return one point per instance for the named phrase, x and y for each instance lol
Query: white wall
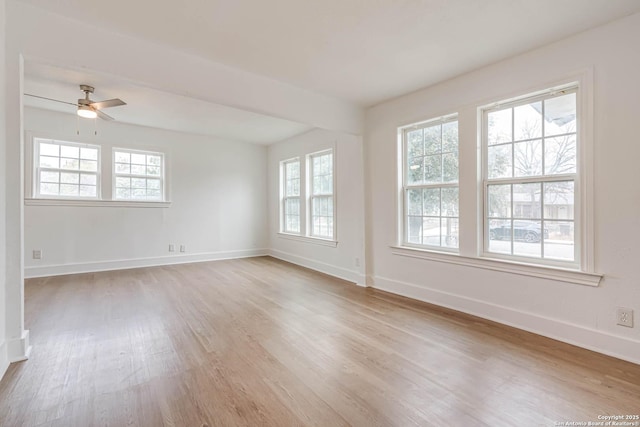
(574, 313)
(340, 260)
(4, 358)
(218, 208)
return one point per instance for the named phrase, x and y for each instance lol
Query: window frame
(36, 168)
(403, 229)
(311, 196)
(162, 177)
(284, 198)
(580, 262)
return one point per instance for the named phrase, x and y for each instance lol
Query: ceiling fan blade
(104, 116)
(51, 99)
(108, 103)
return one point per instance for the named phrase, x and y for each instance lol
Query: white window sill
(307, 239)
(96, 203)
(545, 272)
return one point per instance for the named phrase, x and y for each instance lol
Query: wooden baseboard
(92, 267)
(331, 270)
(612, 345)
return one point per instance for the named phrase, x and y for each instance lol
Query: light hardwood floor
(261, 342)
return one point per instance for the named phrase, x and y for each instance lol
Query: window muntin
(138, 175)
(430, 184)
(291, 196)
(321, 198)
(530, 178)
(66, 170)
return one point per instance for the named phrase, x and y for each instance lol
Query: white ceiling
(154, 108)
(363, 51)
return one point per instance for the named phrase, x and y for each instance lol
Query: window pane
(527, 238)
(415, 228)
(560, 115)
(49, 176)
(433, 169)
(450, 167)
(138, 193)
(450, 232)
(153, 170)
(72, 164)
(561, 242)
(526, 201)
(69, 178)
(499, 199)
(49, 162)
(49, 189)
(154, 160)
(138, 183)
(89, 165)
(72, 152)
(416, 171)
(528, 158)
(560, 155)
(153, 184)
(527, 121)
(450, 137)
(88, 191)
(432, 140)
(121, 157)
(154, 194)
(431, 231)
(499, 126)
(450, 202)
(138, 159)
(415, 145)
(499, 161)
(500, 236)
(123, 168)
(431, 202)
(138, 170)
(414, 202)
(123, 193)
(123, 182)
(88, 179)
(69, 190)
(49, 149)
(559, 200)
(89, 153)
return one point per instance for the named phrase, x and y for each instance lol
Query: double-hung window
(138, 175)
(321, 197)
(66, 170)
(530, 165)
(430, 184)
(290, 170)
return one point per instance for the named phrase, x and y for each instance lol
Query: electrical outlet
(183, 248)
(172, 248)
(625, 317)
(357, 262)
(37, 254)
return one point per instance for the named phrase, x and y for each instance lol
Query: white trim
(4, 359)
(91, 267)
(602, 342)
(533, 270)
(342, 273)
(96, 203)
(19, 349)
(309, 239)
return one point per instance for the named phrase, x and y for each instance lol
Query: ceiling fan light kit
(87, 112)
(87, 108)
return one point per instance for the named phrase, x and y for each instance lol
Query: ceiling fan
(86, 107)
